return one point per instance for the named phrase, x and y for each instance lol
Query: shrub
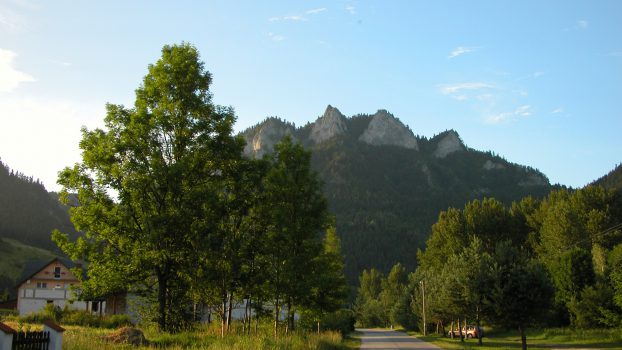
(341, 321)
(76, 318)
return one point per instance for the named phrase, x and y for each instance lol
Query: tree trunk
(452, 330)
(276, 317)
(161, 300)
(229, 312)
(479, 328)
(290, 317)
(460, 330)
(523, 337)
(223, 312)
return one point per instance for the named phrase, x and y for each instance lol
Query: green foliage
(521, 289)
(571, 274)
(75, 318)
(164, 161)
(294, 213)
(615, 266)
(594, 307)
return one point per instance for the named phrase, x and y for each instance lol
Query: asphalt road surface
(385, 339)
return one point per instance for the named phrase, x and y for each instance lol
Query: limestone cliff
(331, 124)
(385, 129)
(261, 139)
(449, 143)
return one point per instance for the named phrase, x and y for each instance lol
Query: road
(386, 339)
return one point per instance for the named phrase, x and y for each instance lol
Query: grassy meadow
(550, 338)
(201, 337)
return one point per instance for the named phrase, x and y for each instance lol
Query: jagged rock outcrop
(385, 129)
(448, 144)
(490, 165)
(533, 180)
(331, 124)
(261, 139)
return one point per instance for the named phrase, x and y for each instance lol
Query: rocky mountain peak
(331, 124)
(385, 129)
(449, 143)
(265, 136)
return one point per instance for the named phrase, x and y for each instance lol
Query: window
(57, 272)
(42, 285)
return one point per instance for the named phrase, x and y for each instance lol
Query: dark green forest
(386, 198)
(550, 262)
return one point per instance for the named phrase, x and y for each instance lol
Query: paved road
(384, 339)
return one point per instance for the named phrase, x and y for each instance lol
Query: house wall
(32, 296)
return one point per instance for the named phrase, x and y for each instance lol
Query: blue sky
(538, 82)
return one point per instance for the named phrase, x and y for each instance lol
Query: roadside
(390, 339)
(556, 338)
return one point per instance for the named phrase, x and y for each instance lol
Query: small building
(50, 282)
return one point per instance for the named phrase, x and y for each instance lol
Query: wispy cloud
(11, 77)
(61, 63)
(451, 89)
(10, 20)
(461, 50)
(295, 18)
(614, 54)
(557, 110)
(316, 11)
(582, 24)
(351, 9)
(276, 37)
(522, 111)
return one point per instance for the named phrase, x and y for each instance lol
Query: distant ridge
(386, 186)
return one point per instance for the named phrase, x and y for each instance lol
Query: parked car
(471, 331)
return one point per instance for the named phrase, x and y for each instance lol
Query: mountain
(386, 186)
(613, 180)
(28, 213)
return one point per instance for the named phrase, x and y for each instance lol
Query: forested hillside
(613, 180)
(387, 186)
(28, 213)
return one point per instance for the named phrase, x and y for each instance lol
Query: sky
(537, 82)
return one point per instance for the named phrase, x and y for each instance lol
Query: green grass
(552, 338)
(352, 341)
(15, 254)
(204, 337)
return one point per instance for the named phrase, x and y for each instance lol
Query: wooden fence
(31, 341)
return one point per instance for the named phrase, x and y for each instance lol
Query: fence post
(6, 337)
(56, 334)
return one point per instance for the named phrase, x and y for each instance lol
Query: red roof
(6, 329)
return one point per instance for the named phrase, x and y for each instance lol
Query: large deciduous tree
(294, 214)
(146, 180)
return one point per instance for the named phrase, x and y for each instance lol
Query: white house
(49, 282)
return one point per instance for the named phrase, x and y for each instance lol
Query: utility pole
(422, 283)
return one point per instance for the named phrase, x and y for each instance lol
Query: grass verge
(550, 338)
(202, 337)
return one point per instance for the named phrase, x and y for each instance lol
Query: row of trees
(555, 262)
(171, 210)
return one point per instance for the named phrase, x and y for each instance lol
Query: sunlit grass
(558, 338)
(203, 337)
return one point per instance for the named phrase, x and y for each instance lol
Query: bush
(76, 318)
(341, 321)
